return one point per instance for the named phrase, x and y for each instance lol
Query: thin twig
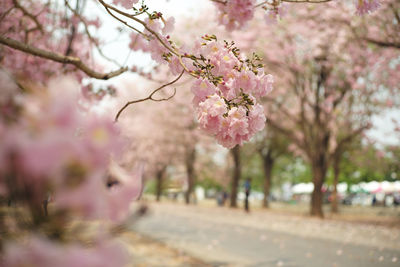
(31, 16)
(5, 13)
(295, 1)
(306, 1)
(89, 35)
(224, 2)
(150, 97)
(220, 2)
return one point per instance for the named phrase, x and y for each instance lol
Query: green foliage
(252, 168)
(291, 169)
(150, 187)
(210, 183)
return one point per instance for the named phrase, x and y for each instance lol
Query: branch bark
(382, 43)
(75, 61)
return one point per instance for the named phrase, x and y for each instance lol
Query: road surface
(225, 237)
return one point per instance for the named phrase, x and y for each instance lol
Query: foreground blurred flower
(56, 149)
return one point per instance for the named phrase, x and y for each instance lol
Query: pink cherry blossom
(235, 13)
(213, 105)
(275, 13)
(201, 89)
(168, 25)
(367, 6)
(125, 3)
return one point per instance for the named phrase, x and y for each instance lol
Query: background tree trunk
(191, 179)
(336, 171)
(236, 175)
(159, 183)
(268, 163)
(319, 173)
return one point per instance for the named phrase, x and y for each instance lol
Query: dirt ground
(146, 252)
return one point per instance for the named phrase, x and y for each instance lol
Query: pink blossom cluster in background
(235, 13)
(125, 3)
(44, 28)
(274, 14)
(366, 6)
(152, 45)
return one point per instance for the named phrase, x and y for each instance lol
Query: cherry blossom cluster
(227, 84)
(158, 46)
(125, 3)
(226, 92)
(367, 6)
(275, 12)
(44, 26)
(235, 14)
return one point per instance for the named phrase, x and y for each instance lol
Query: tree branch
(75, 61)
(133, 17)
(294, 1)
(382, 43)
(31, 16)
(150, 97)
(307, 1)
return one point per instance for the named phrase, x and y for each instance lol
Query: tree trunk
(336, 170)
(190, 159)
(236, 175)
(319, 173)
(159, 183)
(268, 163)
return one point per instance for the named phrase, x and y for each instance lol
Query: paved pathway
(225, 237)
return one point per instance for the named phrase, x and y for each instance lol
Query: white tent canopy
(303, 188)
(370, 187)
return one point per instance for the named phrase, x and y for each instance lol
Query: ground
(228, 237)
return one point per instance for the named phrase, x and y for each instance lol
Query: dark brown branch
(295, 1)
(382, 43)
(220, 1)
(306, 1)
(5, 13)
(150, 97)
(75, 61)
(31, 16)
